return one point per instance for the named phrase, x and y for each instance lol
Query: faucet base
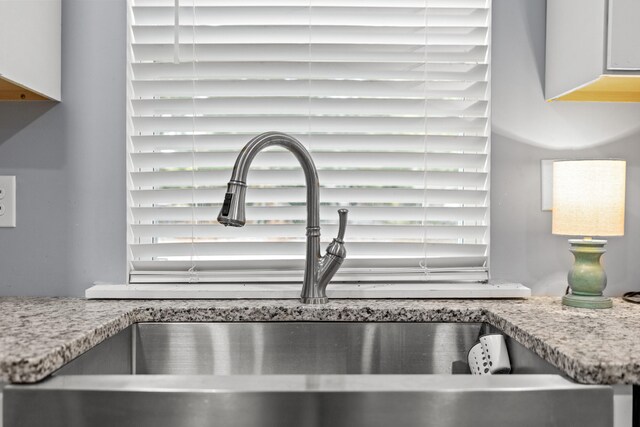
(314, 300)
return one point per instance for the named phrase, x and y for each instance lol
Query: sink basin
(302, 374)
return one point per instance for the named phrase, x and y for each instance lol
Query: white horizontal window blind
(390, 97)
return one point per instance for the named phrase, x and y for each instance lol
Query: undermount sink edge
(302, 373)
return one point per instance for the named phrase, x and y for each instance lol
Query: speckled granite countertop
(38, 335)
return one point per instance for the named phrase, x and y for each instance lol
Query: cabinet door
(30, 32)
(624, 35)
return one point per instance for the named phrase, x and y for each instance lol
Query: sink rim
(348, 383)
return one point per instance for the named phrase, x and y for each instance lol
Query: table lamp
(588, 200)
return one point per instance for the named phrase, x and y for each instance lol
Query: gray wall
(69, 159)
(70, 162)
(527, 129)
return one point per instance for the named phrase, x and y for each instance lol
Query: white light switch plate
(7, 201)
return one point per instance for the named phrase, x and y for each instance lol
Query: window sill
(495, 289)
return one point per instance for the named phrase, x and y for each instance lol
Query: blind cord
(425, 201)
(309, 29)
(176, 32)
(193, 277)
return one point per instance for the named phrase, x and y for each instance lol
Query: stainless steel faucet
(318, 269)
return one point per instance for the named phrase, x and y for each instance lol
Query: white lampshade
(588, 197)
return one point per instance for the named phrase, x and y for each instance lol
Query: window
(391, 99)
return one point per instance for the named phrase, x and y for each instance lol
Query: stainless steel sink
(302, 374)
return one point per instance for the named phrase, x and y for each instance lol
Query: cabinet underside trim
(607, 88)
(10, 91)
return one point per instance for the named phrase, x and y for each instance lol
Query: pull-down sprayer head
(232, 212)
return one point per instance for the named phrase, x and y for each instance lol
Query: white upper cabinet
(30, 33)
(593, 50)
(624, 35)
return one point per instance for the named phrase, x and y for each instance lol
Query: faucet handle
(336, 247)
(342, 213)
(336, 253)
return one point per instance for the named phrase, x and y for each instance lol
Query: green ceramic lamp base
(587, 278)
(586, 302)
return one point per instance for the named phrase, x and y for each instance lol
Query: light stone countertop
(39, 335)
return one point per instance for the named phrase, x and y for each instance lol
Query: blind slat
(329, 178)
(328, 141)
(323, 53)
(346, 196)
(250, 249)
(322, 107)
(155, 71)
(250, 89)
(321, 15)
(337, 159)
(256, 212)
(297, 264)
(334, 34)
(260, 233)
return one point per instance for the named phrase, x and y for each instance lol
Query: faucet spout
(317, 273)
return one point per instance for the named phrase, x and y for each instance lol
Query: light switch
(7, 201)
